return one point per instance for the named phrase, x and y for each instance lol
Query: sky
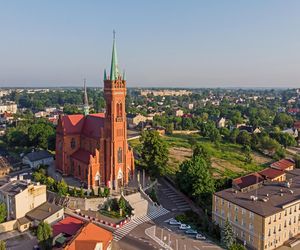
(160, 43)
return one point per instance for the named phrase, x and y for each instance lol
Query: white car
(184, 227)
(200, 237)
(174, 222)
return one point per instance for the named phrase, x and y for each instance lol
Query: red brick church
(93, 147)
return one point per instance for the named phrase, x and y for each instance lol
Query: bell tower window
(73, 143)
(120, 155)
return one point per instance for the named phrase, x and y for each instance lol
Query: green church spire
(114, 71)
(105, 76)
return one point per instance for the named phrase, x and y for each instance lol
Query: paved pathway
(153, 214)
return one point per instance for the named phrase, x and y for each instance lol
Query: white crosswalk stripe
(154, 213)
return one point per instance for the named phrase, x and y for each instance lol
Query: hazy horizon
(195, 44)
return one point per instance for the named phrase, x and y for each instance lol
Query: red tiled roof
(271, 173)
(297, 125)
(92, 125)
(69, 225)
(81, 155)
(283, 164)
(72, 124)
(88, 125)
(89, 236)
(247, 180)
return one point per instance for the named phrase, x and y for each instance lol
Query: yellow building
(20, 197)
(264, 216)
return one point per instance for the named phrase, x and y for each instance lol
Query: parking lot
(178, 239)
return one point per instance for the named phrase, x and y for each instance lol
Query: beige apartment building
(264, 210)
(20, 197)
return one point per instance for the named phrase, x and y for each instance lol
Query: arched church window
(120, 155)
(119, 109)
(73, 143)
(79, 170)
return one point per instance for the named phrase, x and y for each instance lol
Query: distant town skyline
(192, 44)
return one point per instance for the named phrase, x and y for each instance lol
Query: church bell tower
(115, 124)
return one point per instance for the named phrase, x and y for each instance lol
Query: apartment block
(263, 208)
(21, 197)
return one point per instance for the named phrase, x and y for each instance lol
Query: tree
(244, 138)
(286, 140)
(201, 151)
(227, 235)
(2, 245)
(195, 178)
(62, 188)
(44, 234)
(81, 192)
(233, 135)
(3, 212)
(122, 205)
(154, 153)
(237, 246)
(283, 120)
(214, 135)
(50, 182)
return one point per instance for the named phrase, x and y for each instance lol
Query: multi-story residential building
(21, 197)
(166, 92)
(263, 208)
(9, 107)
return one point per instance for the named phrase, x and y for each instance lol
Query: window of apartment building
(222, 212)
(279, 216)
(295, 209)
(251, 239)
(236, 219)
(285, 212)
(285, 223)
(270, 220)
(274, 230)
(223, 202)
(243, 223)
(274, 217)
(269, 234)
(251, 215)
(294, 219)
(229, 205)
(299, 217)
(236, 209)
(251, 227)
(290, 210)
(243, 211)
(243, 234)
(279, 228)
(290, 222)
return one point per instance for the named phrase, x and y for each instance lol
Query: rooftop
(43, 211)
(35, 156)
(69, 225)
(271, 196)
(283, 164)
(14, 187)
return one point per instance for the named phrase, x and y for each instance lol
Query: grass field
(228, 160)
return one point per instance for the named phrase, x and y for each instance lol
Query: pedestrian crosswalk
(154, 212)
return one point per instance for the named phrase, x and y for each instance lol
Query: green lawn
(228, 159)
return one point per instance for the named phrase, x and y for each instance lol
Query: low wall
(185, 132)
(8, 226)
(76, 202)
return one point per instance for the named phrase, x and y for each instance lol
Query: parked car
(200, 237)
(184, 227)
(191, 231)
(174, 222)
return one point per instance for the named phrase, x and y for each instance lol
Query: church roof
(81, 155)
(87, 125)
(92, 125)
